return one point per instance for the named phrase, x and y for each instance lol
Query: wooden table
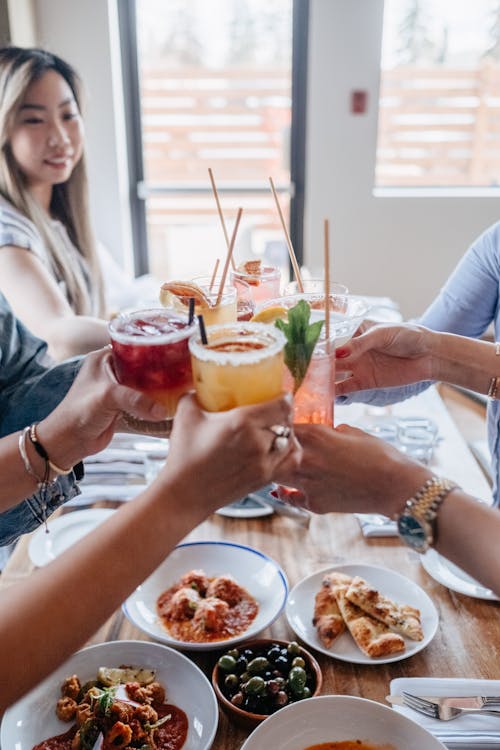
(467, 642)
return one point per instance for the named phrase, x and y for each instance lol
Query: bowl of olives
(261, 676)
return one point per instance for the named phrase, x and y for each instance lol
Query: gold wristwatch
(417, 522)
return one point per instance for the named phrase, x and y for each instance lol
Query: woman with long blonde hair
(49, 269)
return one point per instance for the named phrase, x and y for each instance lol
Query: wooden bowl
(245, 718)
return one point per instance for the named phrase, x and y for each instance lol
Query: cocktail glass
(214, 313)
(315, 286)
(151, 354)
(257, 281)
(241, 364)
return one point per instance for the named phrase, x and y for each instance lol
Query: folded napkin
(114, 467)
(91, 493)
(469, 731)
(110, 455)
(373, 524)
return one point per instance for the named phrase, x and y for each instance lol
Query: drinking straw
(219, 209)
(291, 251)
(212, 280)
(326, 250)
(203, 332)
(228, 257)
(191, 310)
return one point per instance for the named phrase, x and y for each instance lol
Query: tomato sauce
(237, 619)
(169, 736)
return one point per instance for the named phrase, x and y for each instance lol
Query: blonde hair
(19, 68)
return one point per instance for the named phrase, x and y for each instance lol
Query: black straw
(203, 332)
(191, 310)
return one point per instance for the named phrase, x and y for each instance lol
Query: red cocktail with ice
(150, 352)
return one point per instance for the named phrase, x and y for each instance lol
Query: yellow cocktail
(216, 309)
(241, 364)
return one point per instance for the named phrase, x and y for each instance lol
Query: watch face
(412, 532)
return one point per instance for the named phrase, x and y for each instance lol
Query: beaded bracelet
(43, 453)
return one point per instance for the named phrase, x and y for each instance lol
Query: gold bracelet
(494, 386)
(25, 458)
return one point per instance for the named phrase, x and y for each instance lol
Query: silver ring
(282, 433)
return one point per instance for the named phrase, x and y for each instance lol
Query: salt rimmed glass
(241, 364)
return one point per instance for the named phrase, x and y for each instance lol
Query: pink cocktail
(151, 354)
(255, 283)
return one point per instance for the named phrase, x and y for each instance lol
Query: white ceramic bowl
(33, 718)
(258, 574)
(333, 718)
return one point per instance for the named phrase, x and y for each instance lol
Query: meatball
(183, 604)
(196, 579)
(226, 588)
(211, 614)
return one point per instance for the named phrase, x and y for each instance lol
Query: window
(213, 89)
(439, 109)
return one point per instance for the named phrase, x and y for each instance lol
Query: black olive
(241, 665)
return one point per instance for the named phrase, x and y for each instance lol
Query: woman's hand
(346, 470)
(386, 355)
(84, 422)
(217, 457)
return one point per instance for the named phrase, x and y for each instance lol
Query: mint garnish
(301, 339)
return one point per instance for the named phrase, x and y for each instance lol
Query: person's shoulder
(16, 229)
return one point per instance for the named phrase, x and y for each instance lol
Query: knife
(454, 701)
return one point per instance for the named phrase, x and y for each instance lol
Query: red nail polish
(341, 352)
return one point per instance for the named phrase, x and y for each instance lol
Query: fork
(440, 709)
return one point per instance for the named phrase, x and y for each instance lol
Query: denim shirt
(466, 305)
(30, 388)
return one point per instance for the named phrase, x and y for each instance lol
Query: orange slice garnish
(183, 290)
(251, 267)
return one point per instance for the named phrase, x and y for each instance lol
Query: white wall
(84, 33)
(401, 247)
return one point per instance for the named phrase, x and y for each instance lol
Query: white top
(18, 231)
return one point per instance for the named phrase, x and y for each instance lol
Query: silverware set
(447, 708)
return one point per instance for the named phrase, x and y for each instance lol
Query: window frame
(138, 189)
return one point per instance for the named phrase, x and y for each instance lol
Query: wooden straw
(219, 209)
(327, 279)
(228, 258)
(291, 251)
(212, 280)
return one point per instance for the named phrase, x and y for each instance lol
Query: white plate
(64, 531)
(450, 575)
(258, 574)
(251, 506)
(33, 718)
(333, 718)
(300, 607)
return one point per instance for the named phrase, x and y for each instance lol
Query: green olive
(255, 686)
(257, 665)
(227, 663)
(297, 679)
(298, 662)
(231, 682)
(293, 648)
(306, 693)
(234, 653)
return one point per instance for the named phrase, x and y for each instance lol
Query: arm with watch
(346, 470)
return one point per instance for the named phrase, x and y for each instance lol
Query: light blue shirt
(466, 305)
(30, 388)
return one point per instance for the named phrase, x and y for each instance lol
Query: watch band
(424, 505)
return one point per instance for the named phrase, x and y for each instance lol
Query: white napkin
(114, 467)
(373, 524)
(91, 493)
(467, 731)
